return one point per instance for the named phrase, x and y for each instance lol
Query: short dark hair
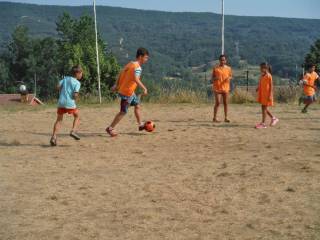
(310, 65)
(76, 69)
(222, 56)
(141, 52)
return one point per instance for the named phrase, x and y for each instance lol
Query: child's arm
(76, 94)
(214, 77)
(115, 85)
(228, 79)
(59, 85)
(140, 84)
(271, 89)
(308, 85)
(305, 83)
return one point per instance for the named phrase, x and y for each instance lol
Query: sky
(277, 8)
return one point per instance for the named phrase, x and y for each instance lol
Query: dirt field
(188, 180)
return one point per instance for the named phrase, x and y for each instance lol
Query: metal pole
(97, 50)
(35, 85)
(247, 80)
(247, 85)
(222, 29)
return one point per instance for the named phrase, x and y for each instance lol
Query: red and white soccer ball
(149, 126)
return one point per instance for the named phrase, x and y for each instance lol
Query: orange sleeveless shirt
(127, 84)
(310, 78)
(221, 85)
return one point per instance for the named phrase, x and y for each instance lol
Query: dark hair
(310, 65)
(267, 66)
(222, 56)
(76, 69)
(141, 52)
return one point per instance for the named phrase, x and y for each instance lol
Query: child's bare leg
(76, 122)
(307, 104)
(117, 119)
(264, 114)
(225, 105)
(216, 106)
(57, 125)
(137, 113)
(269, 113)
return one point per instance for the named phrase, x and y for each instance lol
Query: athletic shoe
(274, 122)
(141, 128)
(304, 111)
(261, 126)
(53, 142)
(111, 132)
(74, 135)
(227, 121)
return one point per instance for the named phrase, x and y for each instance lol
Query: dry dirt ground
(190, 179)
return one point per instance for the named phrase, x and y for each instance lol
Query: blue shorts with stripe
(126, 102)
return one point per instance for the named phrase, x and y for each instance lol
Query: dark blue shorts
(126, 102)
(310, 98)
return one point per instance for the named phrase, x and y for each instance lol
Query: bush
(180, 96)
(287, 94)
(241, 96)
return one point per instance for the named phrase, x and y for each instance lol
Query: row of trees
(314, 56)
(49, 59)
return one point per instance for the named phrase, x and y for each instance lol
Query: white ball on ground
(23, 88)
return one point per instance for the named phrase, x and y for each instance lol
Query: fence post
(247, 81)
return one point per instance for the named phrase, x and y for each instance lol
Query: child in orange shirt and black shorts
(309, 87)
(265, 96)
(128, 81)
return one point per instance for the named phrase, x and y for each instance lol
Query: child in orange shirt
(221, 77)
(309, 87)
(265, 96)
(128, 81)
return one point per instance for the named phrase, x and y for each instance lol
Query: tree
(50, 59)
(76, 45)
(28, 57)
(42, 61)
(314, 56)
(19, 51)
(4, 77)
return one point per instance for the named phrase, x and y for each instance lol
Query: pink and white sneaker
(261, 126)
(274, 121)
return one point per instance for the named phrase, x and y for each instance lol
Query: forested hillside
(177, 40)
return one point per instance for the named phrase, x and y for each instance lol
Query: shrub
(241, 96)
(287, 94)
(179, 95)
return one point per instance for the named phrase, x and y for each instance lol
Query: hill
(177, 40)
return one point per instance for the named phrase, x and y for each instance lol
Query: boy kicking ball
(128, 81)
(69, 88)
